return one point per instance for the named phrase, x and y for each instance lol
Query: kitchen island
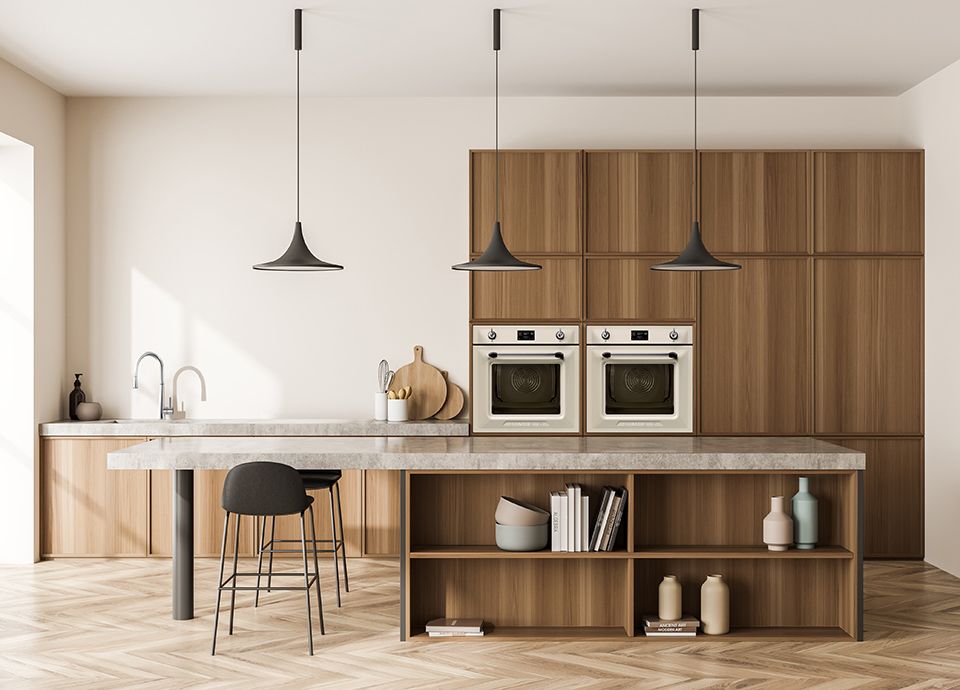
(695, 507)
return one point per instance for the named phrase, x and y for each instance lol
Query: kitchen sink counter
(254, 427)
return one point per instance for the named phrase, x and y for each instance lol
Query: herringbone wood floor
(106, 623)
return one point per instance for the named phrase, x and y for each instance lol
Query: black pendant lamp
(298, 256)
(695, 257)
(497, 257)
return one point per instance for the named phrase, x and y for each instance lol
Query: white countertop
(494, 453)
(255, 427)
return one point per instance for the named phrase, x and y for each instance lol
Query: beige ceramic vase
(670, 599)
(715, 606)
(777, 526)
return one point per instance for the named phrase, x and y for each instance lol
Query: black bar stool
(312, 480)
(266, 489)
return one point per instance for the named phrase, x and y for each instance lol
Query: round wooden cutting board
(454, 402)
(427, 386)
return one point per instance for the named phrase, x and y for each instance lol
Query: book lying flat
(687, 621)
(455, 625)
(649, 632)
(455, 634)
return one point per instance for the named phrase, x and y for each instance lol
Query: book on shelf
(455, 634)
(555, 521)
(563, 520)
(685, 623)
(621, 508)
(601, 520)
(571, 517)
(653, 632)
(584, 526)
(455, 626)
(577, 517)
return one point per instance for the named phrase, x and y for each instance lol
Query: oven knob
(605, 334)
(674, 335)
(492, 335)
(560, 335)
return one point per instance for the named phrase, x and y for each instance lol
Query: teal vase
(804, 506)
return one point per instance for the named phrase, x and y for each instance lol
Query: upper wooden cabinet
(540, 195)
(546, 295)
(756, 359)
(625, 289)
(755, 201)
(869, 202)
(869, 345)
(638, 201)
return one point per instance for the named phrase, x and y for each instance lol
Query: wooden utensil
(454, 402)
(429, 389)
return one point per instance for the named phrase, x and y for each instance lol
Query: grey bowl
(523, 537)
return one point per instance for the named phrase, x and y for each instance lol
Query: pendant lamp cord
(496, 126)
(696, 154)
(298, 136)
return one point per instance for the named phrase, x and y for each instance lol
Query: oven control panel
(640, 335)
(567, 334)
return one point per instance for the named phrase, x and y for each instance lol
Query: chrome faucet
(164, 411)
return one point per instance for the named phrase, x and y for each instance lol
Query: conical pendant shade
(298, 257)
(696, 257)
(497, 257)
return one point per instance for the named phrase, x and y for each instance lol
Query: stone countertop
(495, 453)
(255, 427)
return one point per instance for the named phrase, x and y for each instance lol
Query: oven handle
(558, 355)
(608, 355)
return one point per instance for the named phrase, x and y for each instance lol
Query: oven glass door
(638, 386)
(521, 387)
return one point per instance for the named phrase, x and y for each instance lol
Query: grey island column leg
(404, 558)
(182, 545)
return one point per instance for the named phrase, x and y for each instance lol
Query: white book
(563, 520)
(554, 520)
(603, 518)
(585, 523)
(455, 634)
(577, 518)
(571, 517)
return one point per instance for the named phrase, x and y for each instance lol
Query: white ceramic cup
(396, 410)
(380, 406)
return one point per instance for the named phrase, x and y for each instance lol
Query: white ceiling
(443, 47)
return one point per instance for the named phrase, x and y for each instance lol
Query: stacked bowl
(521, 526)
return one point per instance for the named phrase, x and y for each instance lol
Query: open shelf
(740, 552)
(537, 633)
(491, 551)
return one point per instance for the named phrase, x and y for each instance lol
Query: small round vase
(715, 606)
(670, 608)
(777, 526)
(89, 411)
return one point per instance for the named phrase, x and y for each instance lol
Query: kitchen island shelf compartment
(485, 551)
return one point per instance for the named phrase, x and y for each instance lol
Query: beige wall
(35, 114)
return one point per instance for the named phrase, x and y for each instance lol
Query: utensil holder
(397, 410)
(380, 407)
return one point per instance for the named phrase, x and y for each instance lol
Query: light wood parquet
(106, 624)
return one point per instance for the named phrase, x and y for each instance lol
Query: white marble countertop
(494, 453)
(255, 427)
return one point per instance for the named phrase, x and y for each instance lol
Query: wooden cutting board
(454, 402)
(427, 386)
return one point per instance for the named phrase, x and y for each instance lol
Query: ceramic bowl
(522, 537)
(89, 411)
(510, 511)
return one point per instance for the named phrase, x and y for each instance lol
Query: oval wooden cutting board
(427, 386)
(454, 402)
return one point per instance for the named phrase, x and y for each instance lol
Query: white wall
(172, 200)
(932, 114)
(32, 296)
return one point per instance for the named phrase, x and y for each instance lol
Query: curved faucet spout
(136, 375)
(177, 405)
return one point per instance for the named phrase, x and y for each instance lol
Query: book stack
(455, 627)
(687, 626)
(570, 519)
(613, 505)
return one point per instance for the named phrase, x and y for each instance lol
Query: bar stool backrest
(264, 488)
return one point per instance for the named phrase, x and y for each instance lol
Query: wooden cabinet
(638, 201)
(869, 201)
(625, 289)
(381, 519)
(893, 501)
(755, 201)
(755, 340)
(869, 346)
(539, 200)
(86, 509)
(550, 294)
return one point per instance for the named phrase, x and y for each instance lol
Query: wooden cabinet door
(539, 200)
(550, 294)
(625, 289)
(756, 373)
(638, 201)
(869, 202)
(893, 496)
(755, 201)
(351, 502)
(869, 345)
(381, 522)
(86, 509)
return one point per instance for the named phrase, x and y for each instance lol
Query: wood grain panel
(756, 359)
(893, 495)
(869, 201)
(86, 509)
(550, 294)
(626, 289)
(754, 201)
(638, 201)
(351, 497)
(381, 522)
(540, 200)
(869, 346)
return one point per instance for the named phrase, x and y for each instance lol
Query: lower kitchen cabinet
(381, 519)
(86, 509)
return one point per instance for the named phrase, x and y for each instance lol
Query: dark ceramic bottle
(77, 396)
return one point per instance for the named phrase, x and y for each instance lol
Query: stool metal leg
(333, 536)
(263, 534)
(236, 553)
(223, 553)
(273, 530)
(343, 544)
(306, 583)
(316, 567)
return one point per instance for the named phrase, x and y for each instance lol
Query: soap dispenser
(77, 396)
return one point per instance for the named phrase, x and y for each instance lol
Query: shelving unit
(686, 523)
